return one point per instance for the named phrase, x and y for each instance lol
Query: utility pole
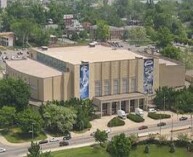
(172, 129)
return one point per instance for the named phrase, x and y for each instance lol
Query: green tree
(146, 149)
(137, 34)
(172, 148)
(102, 31)
(35, 151)
(125, 35)
(7, 116)
(101, 136)
(14, 92)
(171, 52)
(58, 118)
(119, 146)
(30, 117)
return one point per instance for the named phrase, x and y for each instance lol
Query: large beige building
(113, 78)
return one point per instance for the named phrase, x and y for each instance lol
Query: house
(7, 38)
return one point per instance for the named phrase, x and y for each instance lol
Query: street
(13, 151)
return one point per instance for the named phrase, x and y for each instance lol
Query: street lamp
(32, 131)
(172, 129)
(164, 104)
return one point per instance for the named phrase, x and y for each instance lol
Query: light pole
(32, 131)
(164, 104)
(191, 124)
(172, 129)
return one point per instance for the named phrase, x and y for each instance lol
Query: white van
(121, 114)
(152, 110)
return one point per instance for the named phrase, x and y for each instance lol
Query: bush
(158, 116)
(116, 121)
(135, 118)
(146, 149)
(172, 148)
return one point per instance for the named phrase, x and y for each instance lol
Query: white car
(54, 139)
(152, 110)
(108, 130)
(2, 150)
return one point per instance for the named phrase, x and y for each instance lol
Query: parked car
(43, 141)
(2, 150)
(54, 139)
(161, 124)
(63, 143)
(152, 110)
(67, 135)
(183, 118)
(92, 133)
(143, 127)
(107, 130)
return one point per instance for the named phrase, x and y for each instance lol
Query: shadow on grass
(15, 135)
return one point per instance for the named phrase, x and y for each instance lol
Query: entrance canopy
(119, 97)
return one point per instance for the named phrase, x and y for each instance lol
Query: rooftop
(99, 53)
(77, 54)
(34, 68)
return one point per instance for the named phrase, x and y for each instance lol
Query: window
(116, 86)
(125, 87)
(133, 84)
(107, 90)
(98, 88)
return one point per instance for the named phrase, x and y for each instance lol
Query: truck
(139, 112)
(121, 114)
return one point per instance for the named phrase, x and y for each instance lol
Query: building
(113, 78)
(7, 38)
(3, 3)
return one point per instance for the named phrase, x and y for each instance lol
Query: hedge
(158, 116)
(116, 121)
(135, 118)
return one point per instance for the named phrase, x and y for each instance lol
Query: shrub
(116, 121)
(146, 149)
(135, 118)
(172, 148)
(158, 116)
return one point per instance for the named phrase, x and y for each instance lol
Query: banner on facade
(148, 76)
(84, 81)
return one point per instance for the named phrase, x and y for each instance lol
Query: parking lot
(102, 123)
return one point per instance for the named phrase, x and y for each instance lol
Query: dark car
(183, 118)
(67, 135)
(161, 124)
(43, 141)
(143, 127)
(63, 143)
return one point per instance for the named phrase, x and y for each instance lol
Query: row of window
(116, 86)
(50, 61)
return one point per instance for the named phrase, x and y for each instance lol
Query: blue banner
(148, 76)
(84, 81)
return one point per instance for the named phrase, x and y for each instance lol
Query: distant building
(68, 20)
(7, 38)
(3, 3)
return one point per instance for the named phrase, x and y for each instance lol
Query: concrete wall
(171, 75)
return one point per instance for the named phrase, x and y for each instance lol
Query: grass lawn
(14, 135)
(155, 151)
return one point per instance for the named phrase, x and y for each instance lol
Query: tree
(14, 92)
(164, 37)
(171, 52)
(125, 35)
(146, 149)
(101, 136)
(58, 118)
(35, 151)
(102, 31)
(172, 148)
(119, 146)
(137, 34)
(7, 116)
(30, 117)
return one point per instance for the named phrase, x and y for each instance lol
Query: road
(13, 151)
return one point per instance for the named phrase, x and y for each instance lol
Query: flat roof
(189, 72)
(34, 68)
(99, 53)
(76, 54)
